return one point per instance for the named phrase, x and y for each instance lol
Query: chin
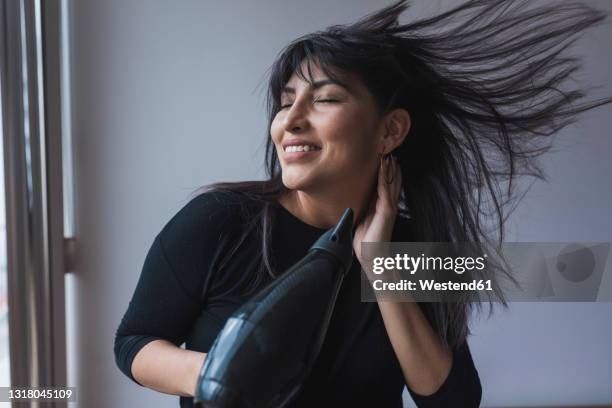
(292, 184)
(296, 183)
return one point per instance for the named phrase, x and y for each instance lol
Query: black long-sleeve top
(185, 294)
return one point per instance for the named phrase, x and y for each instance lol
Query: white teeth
(301, 148)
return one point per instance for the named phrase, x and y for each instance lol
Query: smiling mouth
(292, 154)
(302, 148)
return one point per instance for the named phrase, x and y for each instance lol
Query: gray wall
(166, 100)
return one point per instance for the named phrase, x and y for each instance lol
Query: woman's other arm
(435, 375)
(164, 367)
(169, 298)
(157, 321)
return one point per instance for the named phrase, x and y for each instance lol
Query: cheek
(352, 133)
(342, 126)
(275, 131)
(353, 121)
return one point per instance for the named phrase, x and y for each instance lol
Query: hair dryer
(267, 348)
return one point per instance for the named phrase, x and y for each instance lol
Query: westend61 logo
(516, 271)
(413, 264)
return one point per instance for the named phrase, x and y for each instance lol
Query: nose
(296, 119)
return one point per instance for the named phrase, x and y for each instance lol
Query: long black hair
(487, 85)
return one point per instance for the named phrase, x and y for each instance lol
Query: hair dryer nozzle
(338, 240)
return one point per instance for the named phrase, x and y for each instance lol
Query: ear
(397, 126)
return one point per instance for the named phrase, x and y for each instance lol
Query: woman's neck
(324, 211)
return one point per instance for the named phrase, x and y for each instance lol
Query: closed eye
(318, 100)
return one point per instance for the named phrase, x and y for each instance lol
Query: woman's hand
(377, 223)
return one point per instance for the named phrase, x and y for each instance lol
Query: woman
(421, 129)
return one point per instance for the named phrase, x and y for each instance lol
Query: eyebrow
(317, 85)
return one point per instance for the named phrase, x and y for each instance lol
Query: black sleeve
(169, 295)
(461, 389)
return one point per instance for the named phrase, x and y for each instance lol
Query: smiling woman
(421, 129)
(339, 117)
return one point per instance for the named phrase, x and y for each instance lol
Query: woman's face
(341, 121)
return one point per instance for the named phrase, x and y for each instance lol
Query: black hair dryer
(267, 348)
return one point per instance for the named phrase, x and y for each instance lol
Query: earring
(388, 158)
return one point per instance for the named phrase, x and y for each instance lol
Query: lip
(294, 156)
